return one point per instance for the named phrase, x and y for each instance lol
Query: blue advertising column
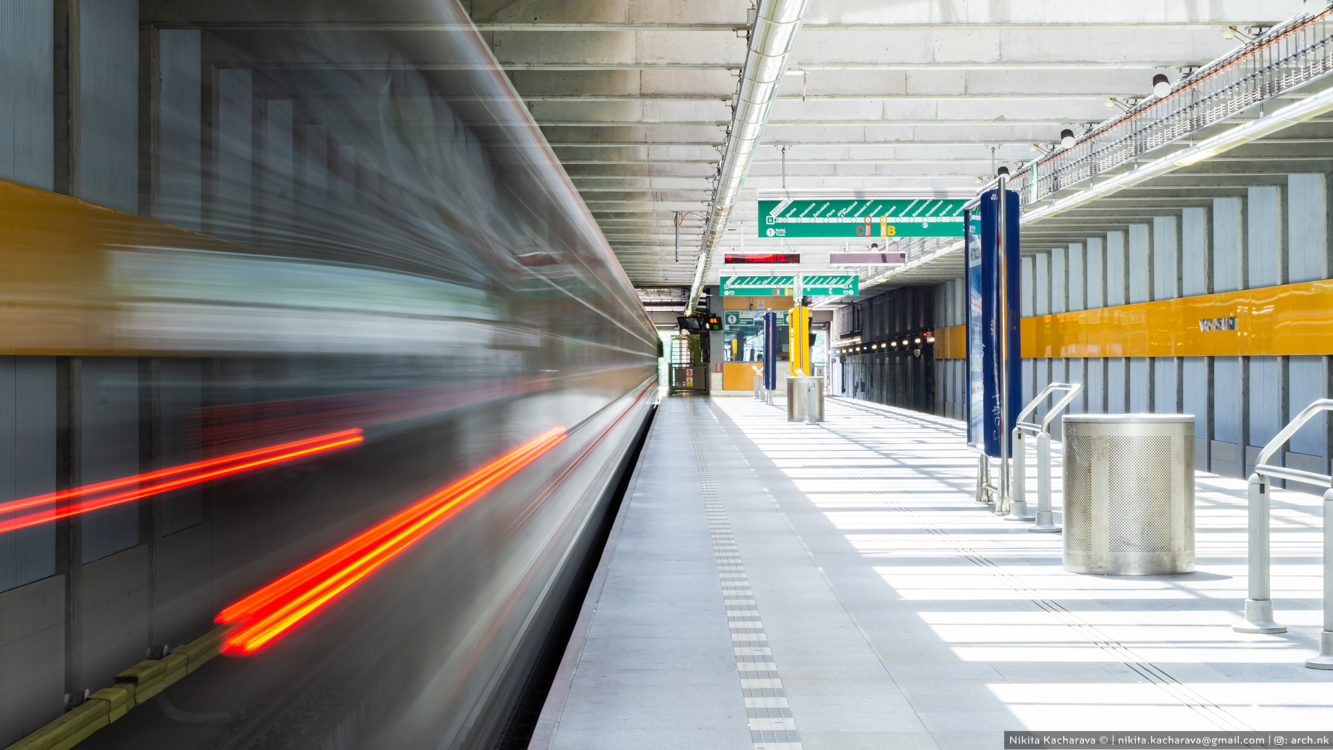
(771, 351)
(985, 429)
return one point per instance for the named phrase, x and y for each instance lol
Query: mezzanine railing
(1281, 59)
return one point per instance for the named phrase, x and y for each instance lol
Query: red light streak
(279, 606)
(50, 508)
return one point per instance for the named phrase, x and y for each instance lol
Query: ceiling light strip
(776, 25)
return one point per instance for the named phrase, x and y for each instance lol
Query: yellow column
(798, 341)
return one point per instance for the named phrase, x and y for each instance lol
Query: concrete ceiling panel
(879, 94)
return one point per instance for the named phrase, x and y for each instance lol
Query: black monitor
(688, 322)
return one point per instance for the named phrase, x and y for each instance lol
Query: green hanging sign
(784, 285)
(861, 217)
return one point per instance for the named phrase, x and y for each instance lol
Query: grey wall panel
(1165, 258)
(279, 165)
(1059, 281)
(1194, 370)
(1227, 222)
(27, 464)
(1194, 251)
(180, 177)
(1028, 368)
(1164, 386)
(1137, 267)
(181, 389)
(1077, 280)
(114, 614)
(1115, 268)
(1307, 385)
(960, 302)
(32, 641)
(27, 104)
(1025, 287)
(1226, 399)
(1074, 374)
(1307, 211)
(110, 405)
(1040, 379)
(109, 103)
(1041, 284)
(1266, 416)
(1095, 287)
(1264, 237)
(1139, 391)
(317, 162)
(1095, 386)
(346, 174)
(235, 150)
(1115, 385)
(185, 595)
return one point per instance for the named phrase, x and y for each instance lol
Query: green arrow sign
(813, 285)
(861, 217)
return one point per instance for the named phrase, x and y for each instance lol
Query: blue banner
(985, 428)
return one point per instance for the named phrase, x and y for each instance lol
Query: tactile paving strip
(772, 726)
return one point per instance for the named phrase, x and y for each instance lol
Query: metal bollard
(1045, 518)
(1018, 510)
(757, 397)
(1325, 658)
(768, 396)
(1259, 604)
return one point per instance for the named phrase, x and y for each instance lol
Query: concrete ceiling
(635, 97)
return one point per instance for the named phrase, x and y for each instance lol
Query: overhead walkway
(783, 585)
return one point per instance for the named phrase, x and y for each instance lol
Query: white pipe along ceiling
(771, 42)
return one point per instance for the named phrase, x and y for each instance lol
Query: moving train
(319, 381)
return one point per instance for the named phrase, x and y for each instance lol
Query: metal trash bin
(797, 390)
(1129, 494)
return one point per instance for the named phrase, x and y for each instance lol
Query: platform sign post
(993, 362)
(770, 352)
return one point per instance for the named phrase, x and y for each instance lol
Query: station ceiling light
(1067, 138)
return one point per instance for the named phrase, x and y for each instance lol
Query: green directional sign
(784, 285)
(861, 217)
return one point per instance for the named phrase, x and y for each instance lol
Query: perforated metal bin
(1129, 493)
(799, 390)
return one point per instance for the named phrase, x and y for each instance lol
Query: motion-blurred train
(320, 365)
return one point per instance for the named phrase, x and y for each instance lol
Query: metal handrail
(1045, 518)
(1259, 604)
(1286, 56)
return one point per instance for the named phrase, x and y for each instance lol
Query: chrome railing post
(1325, 658)
(1019, 510)
(1045, 516)
(1019, 498)
(1259, 603)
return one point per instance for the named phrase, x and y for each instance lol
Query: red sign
(763, 258)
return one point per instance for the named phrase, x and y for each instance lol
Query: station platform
(783, 585)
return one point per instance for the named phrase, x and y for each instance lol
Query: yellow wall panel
(951, 342)
(739, 376)
(1292, 319)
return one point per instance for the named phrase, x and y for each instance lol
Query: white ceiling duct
(771, 42)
